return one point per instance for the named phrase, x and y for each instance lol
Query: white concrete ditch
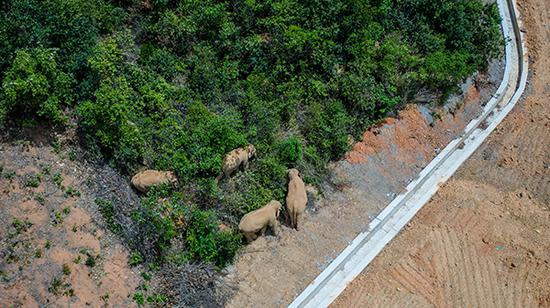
(362, 250)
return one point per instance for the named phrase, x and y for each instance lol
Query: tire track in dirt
(411, 278)
(476, 263)
(448, 266)
(524, 158)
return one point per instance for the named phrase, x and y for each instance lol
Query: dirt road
(483, 240)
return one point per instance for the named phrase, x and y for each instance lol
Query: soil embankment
(482, 241)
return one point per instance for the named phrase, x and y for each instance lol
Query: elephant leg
(297, 220)
(231, 172)
(290, 218)
(263, 230)
(274, 225)
(250, 236)
(219, 177)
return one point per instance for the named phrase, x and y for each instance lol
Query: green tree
(35, 86)
(114, 114)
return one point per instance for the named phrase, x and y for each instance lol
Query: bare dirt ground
(483, 240)
(271, 271)
(52, 251)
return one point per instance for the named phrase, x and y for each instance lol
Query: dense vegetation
(176, 84)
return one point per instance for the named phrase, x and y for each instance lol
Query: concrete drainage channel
(362, 250)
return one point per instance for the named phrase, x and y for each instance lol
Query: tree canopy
(177, 84)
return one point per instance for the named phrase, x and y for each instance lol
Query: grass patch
(90, 260)
(139, 298)
(46, 169)
(66, 270)
(59, 287)
(135, 259)
(56, 145)
(58, 179)
(10, 175)
(55, 285)
(71, 192)
(40, 198)
(106, 209)
(33, 180)
(21, 226)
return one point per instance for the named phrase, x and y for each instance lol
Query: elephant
(144, 180)
(236, 159)
(296, 198)
(260, 219)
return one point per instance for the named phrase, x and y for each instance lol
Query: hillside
(174, 85)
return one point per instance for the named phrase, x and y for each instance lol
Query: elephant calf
(236, 159)
(260, 219)
(296, 198)
(145, 179)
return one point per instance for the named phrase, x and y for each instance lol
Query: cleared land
(483, 239)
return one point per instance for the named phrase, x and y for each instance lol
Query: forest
(174, 85)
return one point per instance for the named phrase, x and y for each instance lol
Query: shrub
(135, 259)
(107, 210)
(327, 128)
(265, 181)
(197, 145)
(113, 117)
(162, 61)
(72, 27)
(290, 151)
(35, 86)
(441, 69)
(248, 196)
(157, 230)
(206, 242)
